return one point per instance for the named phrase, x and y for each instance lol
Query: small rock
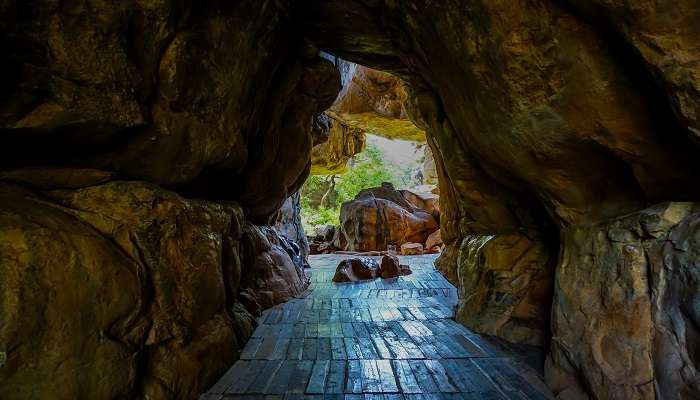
(389, 267)
(356, 269)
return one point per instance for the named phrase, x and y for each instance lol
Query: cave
(151, 159)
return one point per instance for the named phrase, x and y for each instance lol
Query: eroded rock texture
(381, 216)
(505, 284)
(288, 224)
(343, 141)
(541, 116)
(124, 289)
(625, 314)
(172, 92)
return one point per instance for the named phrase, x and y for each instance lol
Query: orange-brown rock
(367, 90)
(288, 224)
(342, 143)
(389, 267)
(381, 216)
(625, 311)
(411, 249)
(159, 93)
(434, 240)
(136, 290)
(428, 202)
(505, 284)
(356, 269)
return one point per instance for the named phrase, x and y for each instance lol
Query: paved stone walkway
(383, 339)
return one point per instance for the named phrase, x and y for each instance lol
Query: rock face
(288, 224)
(428, 168)
(505, 284)
(542, 117)
(169, 92)
(625, 315)
(342, 143)
(132, 288)
(434, 240)
(381, 216)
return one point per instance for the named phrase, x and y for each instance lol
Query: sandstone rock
(71, 302)
(159, 93)
(288, 224)
(428, 202)
(434, 240)
(624, 313)
(55, 177)
(325, 233)
(390, 267)
(503, 159)
(356, 269)
(344, 141)
(379, 217)
(128, 267)
(447, 262)
(367, 90)
(505, 284)
(428, 168)
(274, 276)
(411, 249)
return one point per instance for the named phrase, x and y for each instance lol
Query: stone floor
(382, 339)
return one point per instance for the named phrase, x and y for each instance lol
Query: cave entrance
(366, 147)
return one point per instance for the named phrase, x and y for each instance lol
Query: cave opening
(162, 164)
(365, 145)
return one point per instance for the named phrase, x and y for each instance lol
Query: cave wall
(134, 240)
(543, 117)
(135, 137)
(206, 100)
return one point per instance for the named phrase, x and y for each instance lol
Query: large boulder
(625, 315)
(125, 289)
(429, 202)
(505, 284)
(381, 216)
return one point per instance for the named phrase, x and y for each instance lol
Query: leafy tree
(369, 170)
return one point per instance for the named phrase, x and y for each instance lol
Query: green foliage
(370, 170)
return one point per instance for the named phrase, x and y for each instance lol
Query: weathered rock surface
(625, 313)
(525, 98)
(288, 224)
(356, 269)
(434, 240)
(126, 290)
(505, 284)
(429, 202)
(428, 167)
(390, 267)
(170, 92)
(343, 142)
(543, 116)
(381, 216)
(411, 249)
